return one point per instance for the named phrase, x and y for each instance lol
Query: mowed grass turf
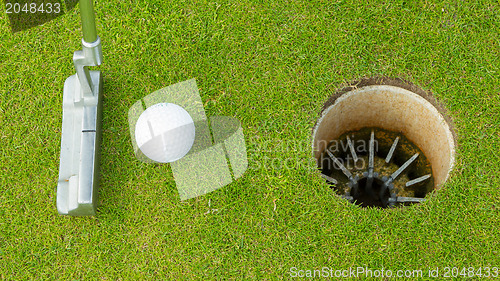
(272, 65)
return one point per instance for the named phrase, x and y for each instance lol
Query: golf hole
(383, 142)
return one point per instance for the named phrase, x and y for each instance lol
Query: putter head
(77, 187)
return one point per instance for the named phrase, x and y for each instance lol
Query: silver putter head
(77, 187)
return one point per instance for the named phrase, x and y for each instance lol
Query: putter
(77, 187)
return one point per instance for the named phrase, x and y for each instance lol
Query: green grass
(271, 64)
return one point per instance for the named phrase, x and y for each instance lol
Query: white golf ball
(165, 132)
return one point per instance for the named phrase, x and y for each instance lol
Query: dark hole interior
(383, 141)
(370, 197)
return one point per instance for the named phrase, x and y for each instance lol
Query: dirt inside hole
(383, 140)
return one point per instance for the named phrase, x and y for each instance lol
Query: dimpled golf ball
(165, 132)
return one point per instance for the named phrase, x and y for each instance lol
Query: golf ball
(165, 132)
